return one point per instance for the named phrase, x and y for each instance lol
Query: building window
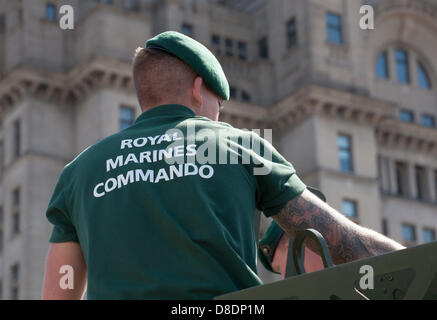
(15, 280)
(232, 92)
(406, 116)
(242, 50)
(245, 97)
(409, 234)
(131, 5)
(420, 182)
(17, 139)
(334, 31)
(1, 228)
(2, 23)
(384, 227)
(127, 117)
(291, 33)
(187, 30)
(349, 209)
(428, 121)
(435, 183)
(422, 76)
(402, 66)
(2, 158)
(229, 47)
(428, 235)
(215, 39)
(15, 211)
(50, 12)
(345, 153)
(263, 48)
(382, 70)
(401, 178)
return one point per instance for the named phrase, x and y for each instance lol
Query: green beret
(196, 55)
(267, 245)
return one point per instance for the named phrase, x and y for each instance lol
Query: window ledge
(410, 243)
(408, 198)
(337, 46)
(290, 52)
(50, 22)
(14, 236)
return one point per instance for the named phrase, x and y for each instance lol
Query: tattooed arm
(346, 240)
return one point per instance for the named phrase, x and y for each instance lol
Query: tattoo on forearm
(345, 239)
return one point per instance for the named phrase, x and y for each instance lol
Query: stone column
(411, 181)
(384, 179)
(393, 186)
(392, 62)
(412, 64)
(431, 184)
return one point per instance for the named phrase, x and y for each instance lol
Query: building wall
(87, 67)
(98, 116)
(111, 32)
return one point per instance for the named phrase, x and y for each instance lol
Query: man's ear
(197, 92)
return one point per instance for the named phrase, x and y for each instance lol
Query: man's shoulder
(96, 151)
(223, 128)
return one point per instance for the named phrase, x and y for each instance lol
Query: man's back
(150, 229)
(165, 208)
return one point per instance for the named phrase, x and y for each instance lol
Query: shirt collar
(166, 110)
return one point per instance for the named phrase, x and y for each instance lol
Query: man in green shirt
(141, 215)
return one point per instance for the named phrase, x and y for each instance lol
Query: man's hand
(64, 254)
(346, 240)
(279, 262)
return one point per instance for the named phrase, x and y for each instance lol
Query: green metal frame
(409, 274)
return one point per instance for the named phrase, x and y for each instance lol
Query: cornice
(317, 100)
(63, 89)
(313, 100)
(424, 7)
(393, 133)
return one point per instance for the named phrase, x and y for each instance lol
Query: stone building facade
(354, 110)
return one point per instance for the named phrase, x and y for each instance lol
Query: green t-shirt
(150, 229)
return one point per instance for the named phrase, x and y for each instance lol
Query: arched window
(422, 76)
(381, 68)
(403, 64)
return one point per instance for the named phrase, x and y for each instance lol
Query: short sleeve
(276, 179)
(57, 213)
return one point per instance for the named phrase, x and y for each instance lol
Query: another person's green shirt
(153, 230)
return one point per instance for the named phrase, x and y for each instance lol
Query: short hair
(160, 77)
